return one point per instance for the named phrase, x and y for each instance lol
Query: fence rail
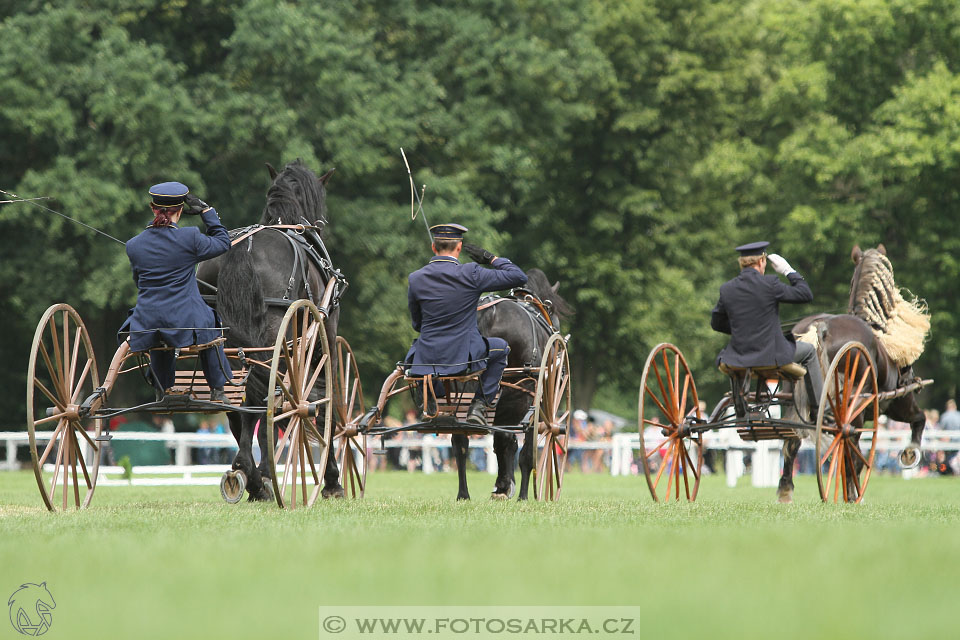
(765, 454)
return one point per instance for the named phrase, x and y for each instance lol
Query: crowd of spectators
(939, 456)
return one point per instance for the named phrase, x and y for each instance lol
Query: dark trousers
(806, 355)
(497, 353)
(496, 363)
(163, 365)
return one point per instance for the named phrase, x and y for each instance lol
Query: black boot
(219, 396)
(477, 413)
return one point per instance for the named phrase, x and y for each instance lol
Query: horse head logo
(30, 608)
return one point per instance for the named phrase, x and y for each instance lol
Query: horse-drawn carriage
(869, 373)
(535, 402)
(66, 391)
(288, 375)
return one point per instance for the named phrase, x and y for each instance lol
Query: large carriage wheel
(668, 398)
(62, 374)
(301, 361)
(349, 445)
(850, 392)
(552, 420)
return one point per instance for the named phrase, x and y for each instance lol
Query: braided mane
(900, 325)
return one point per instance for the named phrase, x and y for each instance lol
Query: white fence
(766, 458)
(765, 454)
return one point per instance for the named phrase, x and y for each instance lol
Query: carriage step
(760, 431)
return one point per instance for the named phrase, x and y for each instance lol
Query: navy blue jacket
(443, 297)
(164, 261)
(749, 310)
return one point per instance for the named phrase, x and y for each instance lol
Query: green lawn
(178, 562)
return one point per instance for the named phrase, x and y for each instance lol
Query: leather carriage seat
(791, 370)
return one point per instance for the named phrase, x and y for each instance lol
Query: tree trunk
(584, 381)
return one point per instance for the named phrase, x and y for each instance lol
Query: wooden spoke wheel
(552, 420)
(668, 400)
(850, 393)
(349, 445)
(62, 374)
(299, 406)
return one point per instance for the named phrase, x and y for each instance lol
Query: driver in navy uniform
(442, 298)
(170, 311)
(749, 310)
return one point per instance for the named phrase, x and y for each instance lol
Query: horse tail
(240, 300)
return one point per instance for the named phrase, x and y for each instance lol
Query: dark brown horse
(891, 328)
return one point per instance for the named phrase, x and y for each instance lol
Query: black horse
(891, 328)
(255, 281)
(515, 322)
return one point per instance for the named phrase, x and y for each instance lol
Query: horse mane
(539, 285)
(296, 193)
(900, 325)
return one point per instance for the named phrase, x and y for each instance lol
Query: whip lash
(34, 202)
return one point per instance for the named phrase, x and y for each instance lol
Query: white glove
(779, 265)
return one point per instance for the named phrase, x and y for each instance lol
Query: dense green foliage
(623, 147)
(161, 562)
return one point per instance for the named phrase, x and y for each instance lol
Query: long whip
(34, 202)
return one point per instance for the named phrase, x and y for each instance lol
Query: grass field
(178, 562)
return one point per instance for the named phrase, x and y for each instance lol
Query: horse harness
(536, 312)
(307, 246)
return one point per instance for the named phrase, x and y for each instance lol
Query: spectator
(592, 459)
(392, 456)
(478, 456)
(578, 434)
(205, 454)
(950, 420)
(652, 437)
(410, 456)
(106, 451)
(886, 460)
(931, 463)
(224, 454)
(443, 449)
(164, 424)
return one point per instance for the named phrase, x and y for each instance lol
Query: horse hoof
(785, 498)
(265, 494)
(504, 495)
(232, 486)
(462, 497)
(336, 492)
(910, 457)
